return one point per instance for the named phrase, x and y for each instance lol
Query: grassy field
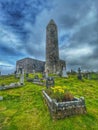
(24, 108)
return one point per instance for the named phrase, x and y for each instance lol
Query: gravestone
(1, 98)
(0, 73)
(12, 85)
(64, 74)
(50, 82)
(28, 78)
(33, 71)
(27, 75)
(46, 73)
(22, 78)
(79, 74)
(89, 76)
(36, 78)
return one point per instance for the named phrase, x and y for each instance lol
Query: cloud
(23, 30)
(81, 48)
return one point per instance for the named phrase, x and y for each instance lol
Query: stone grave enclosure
(48, 82)
(59, 110)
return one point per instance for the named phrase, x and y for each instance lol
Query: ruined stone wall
(29, 64)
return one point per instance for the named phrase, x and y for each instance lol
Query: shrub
(60, 93)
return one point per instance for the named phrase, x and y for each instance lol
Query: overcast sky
(23, 31)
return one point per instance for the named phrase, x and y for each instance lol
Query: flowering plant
(60, 93)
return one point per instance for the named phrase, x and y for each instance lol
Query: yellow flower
(61, 90)
(58, 89)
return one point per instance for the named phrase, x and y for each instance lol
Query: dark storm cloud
(82, 46)
(9, 51)
(17, 40)
(23, 30)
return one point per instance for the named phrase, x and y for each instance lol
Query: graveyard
(48, 64)
(25, 107)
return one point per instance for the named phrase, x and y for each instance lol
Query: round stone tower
(52, 50)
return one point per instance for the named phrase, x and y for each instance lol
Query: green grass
(25, 109)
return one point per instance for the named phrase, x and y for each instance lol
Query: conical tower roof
(52, 22)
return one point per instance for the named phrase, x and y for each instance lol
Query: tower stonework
(53, 63)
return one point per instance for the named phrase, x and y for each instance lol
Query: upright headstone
(50, 82)
(33, 71)
(1, 98)
(46, 73)
(79, 74)
(64, 74)
(36, 79)
(88, 76)
(22, 78)
(27, 75)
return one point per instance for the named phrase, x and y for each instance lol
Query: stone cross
(79, 74)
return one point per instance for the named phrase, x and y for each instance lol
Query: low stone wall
(59, 110)
(30, 79)
(38, 81)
